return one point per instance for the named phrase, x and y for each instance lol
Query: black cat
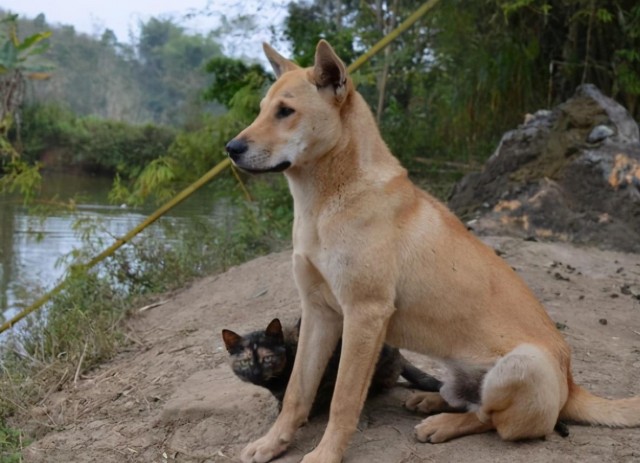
(265, 358)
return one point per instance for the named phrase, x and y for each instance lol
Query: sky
(123, 16)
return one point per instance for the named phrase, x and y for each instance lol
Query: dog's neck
(359, 152)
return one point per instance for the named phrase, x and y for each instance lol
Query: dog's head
(299, 118)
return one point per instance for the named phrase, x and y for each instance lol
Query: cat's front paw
(264, 449)
(426, 402)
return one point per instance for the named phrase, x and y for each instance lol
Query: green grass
(11, 444)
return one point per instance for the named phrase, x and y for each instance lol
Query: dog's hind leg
(521, 398)
(522, 395)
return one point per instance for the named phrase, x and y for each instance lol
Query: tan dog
(377, 259)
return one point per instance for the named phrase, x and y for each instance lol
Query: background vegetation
(154, 115)
(444, 92)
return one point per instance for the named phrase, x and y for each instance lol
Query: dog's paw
(434, 430)
(447, 426)
(425, 402)
(322, 455)
(264, 449)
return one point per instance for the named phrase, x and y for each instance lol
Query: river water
(31, 247)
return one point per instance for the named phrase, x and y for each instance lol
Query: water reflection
(31, 247)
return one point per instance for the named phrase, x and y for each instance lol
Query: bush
(95, 145)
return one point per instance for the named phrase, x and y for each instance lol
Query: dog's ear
(279, 63)
(329, 70)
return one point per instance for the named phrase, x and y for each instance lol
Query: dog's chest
(312, 280)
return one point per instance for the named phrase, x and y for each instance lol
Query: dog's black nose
(236, 147)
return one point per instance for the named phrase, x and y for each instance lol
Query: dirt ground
(171, 396)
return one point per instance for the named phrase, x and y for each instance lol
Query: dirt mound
(571, 174)
(170, 396)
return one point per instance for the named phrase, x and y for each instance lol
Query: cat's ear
(274, 330)
(231, 339)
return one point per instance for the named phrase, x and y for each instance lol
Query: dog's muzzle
(235, 148)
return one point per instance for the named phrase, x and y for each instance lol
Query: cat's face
(259, 356)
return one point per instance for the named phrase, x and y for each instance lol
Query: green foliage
(11, 443)
(581, 41)
(117, 146)
(82, 325)
(18, 62)
(265, 223)
(171, 64)
(156, 79)
(157, 179)
(230, 76)
(187, 158)
(626, 63)
(93, 144)
(452, 84)
(307, 23)
(192, 153)
(22, 178)
(483, 79)
(21, 55)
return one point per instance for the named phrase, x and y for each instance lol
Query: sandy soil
(171, 396)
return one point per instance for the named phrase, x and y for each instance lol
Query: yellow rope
(206, 178)
(243, 187)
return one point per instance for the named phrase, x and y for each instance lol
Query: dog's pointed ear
(279, 63)
(329, 70)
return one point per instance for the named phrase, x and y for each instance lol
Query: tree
(391, 79)
(306, 24)
(18, 62)
(171, 66)
(452, 84)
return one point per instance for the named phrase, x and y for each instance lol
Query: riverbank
(34, 241)
(169, 395)
(85, 324)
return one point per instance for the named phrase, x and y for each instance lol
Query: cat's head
(259, 356)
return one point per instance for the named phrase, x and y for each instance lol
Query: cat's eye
(284, 111)
(267, 359)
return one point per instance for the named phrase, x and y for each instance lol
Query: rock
(600, 133)
(568, 174)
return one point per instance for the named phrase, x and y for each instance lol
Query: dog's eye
(284, 111)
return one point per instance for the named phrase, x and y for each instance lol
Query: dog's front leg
(319, 334)
(363, 334)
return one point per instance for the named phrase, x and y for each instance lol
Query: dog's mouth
(277, 168)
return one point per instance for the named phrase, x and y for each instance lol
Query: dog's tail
(584, 407)
(418, 378)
